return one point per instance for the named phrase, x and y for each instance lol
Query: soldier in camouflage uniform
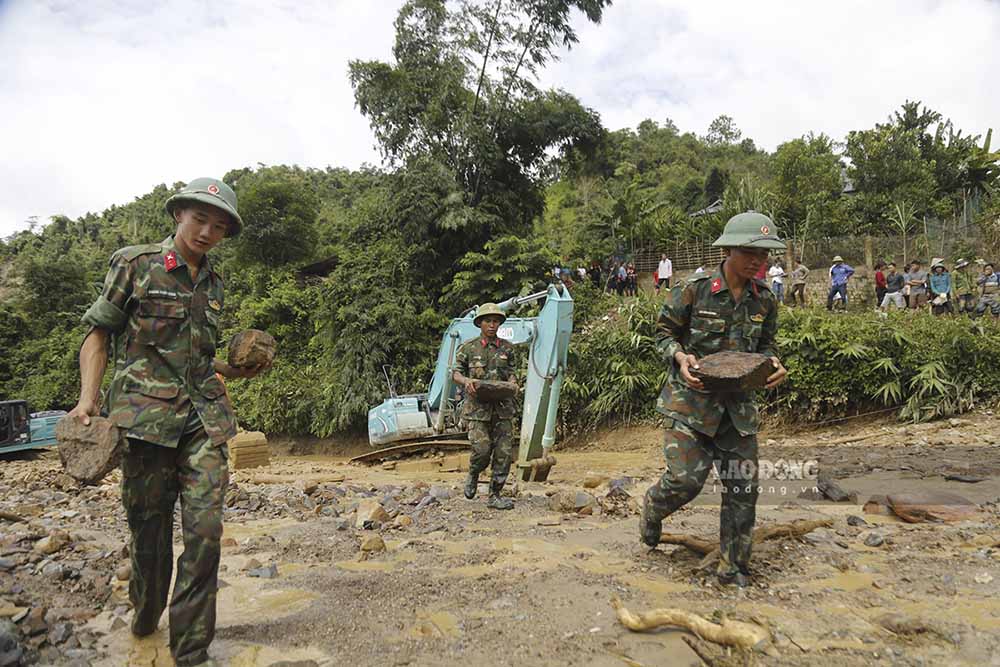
(162, 303)
(491, 425)
(726, 309)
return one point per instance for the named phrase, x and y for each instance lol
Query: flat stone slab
(89, 453)
(251, 348)
(494, 391)
(933, 506)
(734, 371)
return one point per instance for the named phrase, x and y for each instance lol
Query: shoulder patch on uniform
(131, 252)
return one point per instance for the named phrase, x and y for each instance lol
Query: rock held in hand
(89, 453)
(733, 371)
(251, 348)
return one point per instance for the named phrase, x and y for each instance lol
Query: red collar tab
(716, 285)
(170, 261)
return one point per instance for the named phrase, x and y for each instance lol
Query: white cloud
(102, 100)
(782, 69)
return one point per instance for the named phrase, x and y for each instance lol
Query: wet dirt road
(460, 584)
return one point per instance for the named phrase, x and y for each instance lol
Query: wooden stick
(728, 633)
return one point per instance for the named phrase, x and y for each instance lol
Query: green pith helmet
(488, 309)
(213, 192)
(749, 230)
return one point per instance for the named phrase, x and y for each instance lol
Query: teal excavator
(416, 422)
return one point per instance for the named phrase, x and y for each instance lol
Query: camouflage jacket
(165, 330)
(701, 318)
(480, 359)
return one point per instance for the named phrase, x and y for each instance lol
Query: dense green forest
(489, 181)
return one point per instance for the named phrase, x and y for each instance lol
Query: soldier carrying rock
(161, 303)
(491, 425)
(725, 310)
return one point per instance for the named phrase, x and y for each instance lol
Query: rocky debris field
(325, 562)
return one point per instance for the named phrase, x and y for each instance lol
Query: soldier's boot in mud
(496, 501)
(650, 528)
(733, 578)
(471, 482)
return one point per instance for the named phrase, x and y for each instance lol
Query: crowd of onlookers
(969, 287)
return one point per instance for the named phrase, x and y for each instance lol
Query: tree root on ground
(710, 548)
(727, 633)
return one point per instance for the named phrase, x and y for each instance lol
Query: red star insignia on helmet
(170, 261)
(716, 285)
(214, 189)
(765, 230)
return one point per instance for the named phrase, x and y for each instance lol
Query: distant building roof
(714, 207)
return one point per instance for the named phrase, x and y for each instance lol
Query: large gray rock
(11, 651)
(251, 348)
(734, 371)
(89, 453)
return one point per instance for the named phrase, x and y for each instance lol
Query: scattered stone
(733, 371)
(854, 520)
(440, 493)
(124, 572)
(830, 489)
(341, 524)
(878, 504)
(402, 521)
(372, 544)
(253, 564)
(228, 542)
(34, 623)
(903, 624)
(968, 479)
(874, 539)
(89, 453)
(269, 572)
(371, 515)
(11, 652)
(7, 564)
(620, 483)
(594, 480)
(60, 632)
(54, 571)
(118, 623)
(550, 521)
(580, 502)
(251, 348)
(52, 543)
(983, 578)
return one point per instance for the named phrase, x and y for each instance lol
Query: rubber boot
(471, 482)
(496, 502)
(649, 528)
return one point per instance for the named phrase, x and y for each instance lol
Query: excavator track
(379, 455)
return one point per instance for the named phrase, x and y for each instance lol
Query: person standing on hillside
(777, 275)
(989, 292)
(965, 287)
(491, 425)
(917, 282)
(798, 277)
(162, 303)
(727, 309)
(880, 287)
(894, 283)
(940, 286)
(664, 272)
(840, 273)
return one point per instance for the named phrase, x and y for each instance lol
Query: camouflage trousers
(690, 456)
(491, 439)
(153, 478)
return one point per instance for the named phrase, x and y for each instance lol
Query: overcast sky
(104, 99)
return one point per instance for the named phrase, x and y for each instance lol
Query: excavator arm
(404, 419)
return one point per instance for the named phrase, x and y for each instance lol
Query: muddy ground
(460, 584)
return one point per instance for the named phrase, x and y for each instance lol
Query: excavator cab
(15, 427)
